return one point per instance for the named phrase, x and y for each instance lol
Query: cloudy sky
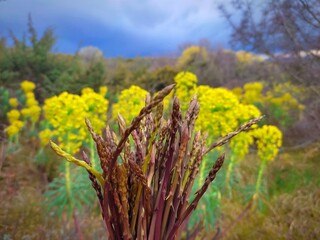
(126, 28)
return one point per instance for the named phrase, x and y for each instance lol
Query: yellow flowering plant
(217, 106)
(244, 57)
(13, 115)
(269, 140)
(223, 110)
(31, 110)
(186, 83)
(64, 115)
(190, 54)
(57, 111)
(96, 109)
(103, 91)
(13, 102)
(15, 126)
(130, 101)
(13, 131)
(280, 103)
(27, 86)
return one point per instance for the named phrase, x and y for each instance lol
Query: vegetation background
(277, 72)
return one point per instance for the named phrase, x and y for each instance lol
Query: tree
(288, 31)
(29, 58)
(90, 54)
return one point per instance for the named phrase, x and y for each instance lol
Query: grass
(23, 214)
(291, 207)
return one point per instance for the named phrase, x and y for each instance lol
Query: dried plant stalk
(146, 183)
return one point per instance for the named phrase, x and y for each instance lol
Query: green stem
(16, 139)
(32, 126)
(67, 175)
(11, 140)
(202, 171)
(260, 174)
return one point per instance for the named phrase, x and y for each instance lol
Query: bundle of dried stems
(148, 174)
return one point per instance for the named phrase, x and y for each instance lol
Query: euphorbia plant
(147, 175)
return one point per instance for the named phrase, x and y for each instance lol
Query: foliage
(289, 27)
(64, 196)
(287, 31)
(31, 58)
(29, 112)
(157, 79)
(22, 186)
(4, 101)
(27, 59)
(57, 112)
(191, 55)
(245, 61)
(244, 57)
(222, 111)
(280, 103)
(122, 73)
(285, 218)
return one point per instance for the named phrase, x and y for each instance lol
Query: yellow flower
(45, 136)
(186, 84)
(247, 57)
(19, 124)
(269, 140)
(241, 143)
(26, 112)
(217, 110)
(27, 86)
(190, 54)
(87, 90)
(130, 103)
(13, 102)
(14, 128)
(66, 113)
(96, 107)
(31, 101)
(11, 130)
(29, 95)
(13, 115)
(35, 113)
(252, 93)
(237, 91)
(103, 91)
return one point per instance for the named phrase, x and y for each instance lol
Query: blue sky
(127, 28)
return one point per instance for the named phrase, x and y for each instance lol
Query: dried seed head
(122, 124)
(96, 186)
